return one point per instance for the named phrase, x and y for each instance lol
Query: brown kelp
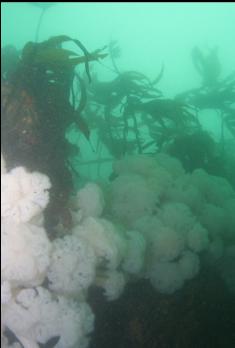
(207, 65)
(36, 111)
(215, 93)
(131, 115)
(113, 101)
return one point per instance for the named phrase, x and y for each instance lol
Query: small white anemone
(35, 316)
(72, 266)
(24, 195)
(90, 200)
(113, 283)
(25, 251)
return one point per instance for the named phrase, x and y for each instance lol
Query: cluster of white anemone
(29, 309)
(152, 221)
(181, 216)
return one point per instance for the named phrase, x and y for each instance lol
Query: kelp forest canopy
(44, 95)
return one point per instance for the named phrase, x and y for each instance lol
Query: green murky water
(117, 171)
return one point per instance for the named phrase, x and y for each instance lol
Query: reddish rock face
(20, 129)
(26, 141)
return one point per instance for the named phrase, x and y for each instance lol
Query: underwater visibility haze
(117, 175)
